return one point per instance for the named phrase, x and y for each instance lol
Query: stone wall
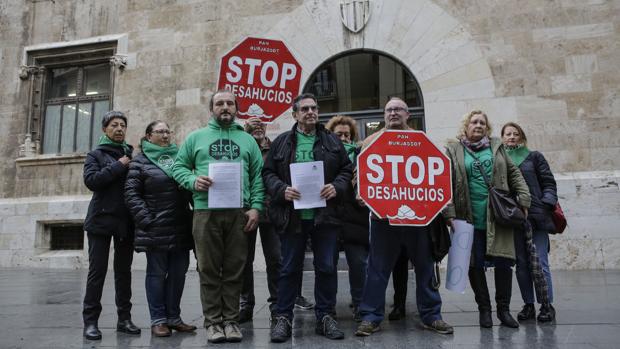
(551, 66)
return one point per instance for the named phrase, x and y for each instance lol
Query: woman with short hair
(105, 171)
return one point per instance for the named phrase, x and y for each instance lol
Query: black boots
(527, 313)
(547, 313)
(503, 292)
(478, 282)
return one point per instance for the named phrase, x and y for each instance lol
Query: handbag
(559, 219)
(506, 211)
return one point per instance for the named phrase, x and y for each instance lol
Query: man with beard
(306, 141)
(386, 242)
(219, 234)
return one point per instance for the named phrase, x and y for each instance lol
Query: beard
(225, 119)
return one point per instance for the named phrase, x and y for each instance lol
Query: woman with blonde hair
(473, 152)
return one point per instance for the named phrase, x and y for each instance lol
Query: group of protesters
(157, 202)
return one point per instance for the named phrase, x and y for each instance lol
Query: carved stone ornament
(119, 61)
(355, 14)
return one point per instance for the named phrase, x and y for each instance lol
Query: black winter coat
(105, 176)
(543, 190)
(355, 224)
(160, 208)
(277, 176)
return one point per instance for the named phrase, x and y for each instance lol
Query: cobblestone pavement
(42, 309)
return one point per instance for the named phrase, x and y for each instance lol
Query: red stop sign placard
(404, 177)
(264, 76)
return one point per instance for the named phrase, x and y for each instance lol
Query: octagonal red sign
(264, 76)
(404, 177)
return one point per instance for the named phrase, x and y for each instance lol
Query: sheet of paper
(458, 257)
(308, 179)
(225, 192)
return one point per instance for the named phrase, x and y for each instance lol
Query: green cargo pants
(221, 251)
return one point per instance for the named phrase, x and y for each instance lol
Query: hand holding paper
(308, 180)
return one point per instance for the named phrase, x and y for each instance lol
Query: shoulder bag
(506, 211)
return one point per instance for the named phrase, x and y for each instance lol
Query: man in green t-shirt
(219, 234)
(308, 140)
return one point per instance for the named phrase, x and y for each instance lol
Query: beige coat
(506, 175)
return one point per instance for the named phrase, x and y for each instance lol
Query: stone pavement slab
(41, 308)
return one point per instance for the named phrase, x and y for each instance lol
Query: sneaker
(366, 328)
(302, 303)
(527, 313)
(245, 314)
(232, 332)
(281, 329)
(440, 326)
(328, 327)
(215, 334)
(547, 313)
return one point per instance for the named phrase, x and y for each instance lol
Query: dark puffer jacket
(160, 208)
(543, 190)
(277, 176)
(105, 176)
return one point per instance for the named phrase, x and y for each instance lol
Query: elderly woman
(105, 171)
(354, 233)
(543, 190)
(474, 151)
(162, 215)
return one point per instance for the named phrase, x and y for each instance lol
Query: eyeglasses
(395, 110)
(161, 132)
(307, 108)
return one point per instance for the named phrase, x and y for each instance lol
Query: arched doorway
(358, 83)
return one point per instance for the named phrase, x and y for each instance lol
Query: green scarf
(517, 154)
(350, 148)
(162, 157)
(106, 140)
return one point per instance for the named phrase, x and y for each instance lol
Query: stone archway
(435, 47)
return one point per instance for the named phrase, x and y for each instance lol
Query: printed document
(225, 192)
(308, 179)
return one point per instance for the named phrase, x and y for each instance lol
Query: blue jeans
(385, 244)
(325, 250)
(524, 276)
(165, 280)
(479, 250)
(357, 260)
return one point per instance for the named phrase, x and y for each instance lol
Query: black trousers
(98, 253)
(271, 251)
(400, 277)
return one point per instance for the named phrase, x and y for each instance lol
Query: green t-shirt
(478, 190)
(303, 153)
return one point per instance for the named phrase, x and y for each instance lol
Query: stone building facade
(552, 66)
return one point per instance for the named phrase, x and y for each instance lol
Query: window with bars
(77, 97)
(72, 89)
(66, 236)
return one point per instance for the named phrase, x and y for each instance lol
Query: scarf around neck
(517, 153)
(350, 148)
(482, 144)
(104, 139)
(162, 157)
